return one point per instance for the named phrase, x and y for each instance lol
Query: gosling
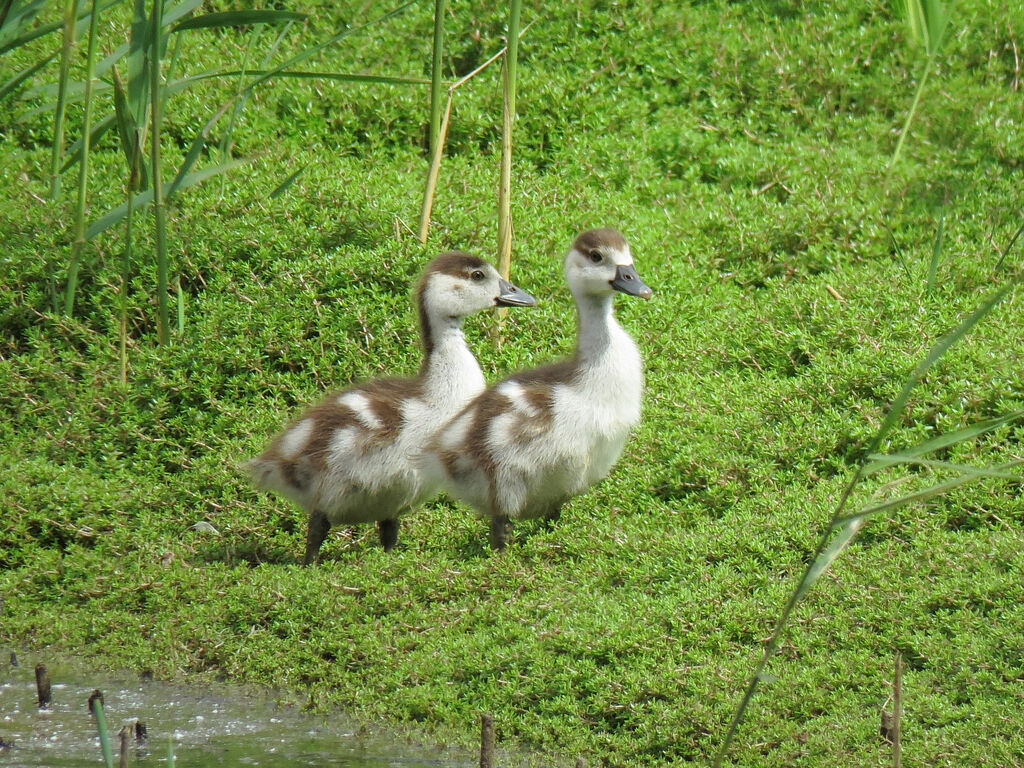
(353, 458)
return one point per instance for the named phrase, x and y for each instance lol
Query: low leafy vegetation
(743, 149)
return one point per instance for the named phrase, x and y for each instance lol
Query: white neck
(451, 375)
(610, 367)
(597, 327)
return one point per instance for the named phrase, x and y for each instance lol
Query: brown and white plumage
(529, 443)
(352, 458)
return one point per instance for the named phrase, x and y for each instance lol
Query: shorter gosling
(353, 458)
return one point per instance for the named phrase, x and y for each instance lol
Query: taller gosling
(525, 446)
(353, 457)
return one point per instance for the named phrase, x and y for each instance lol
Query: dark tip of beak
(628, 281)
(512, 296)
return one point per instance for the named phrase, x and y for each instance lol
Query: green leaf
(99, 129)
(937, 443)
(281, 188)
(110, 218)
(339, 76)
(238, 19)
(195, 150)
(12, 85)
(80, 27)
(929, 492)
(934, 355)
(965, 469)
(138, 77)
(933, 266)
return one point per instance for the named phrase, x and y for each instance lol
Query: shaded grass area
(741, 148)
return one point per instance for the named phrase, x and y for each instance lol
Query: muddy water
(207, 726)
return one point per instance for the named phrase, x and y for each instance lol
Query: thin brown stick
(438, 152)
(486, 741)
(897, 706)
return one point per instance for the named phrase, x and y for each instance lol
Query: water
(208, 726)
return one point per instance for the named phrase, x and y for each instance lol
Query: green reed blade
(237, 19)
(83, 169)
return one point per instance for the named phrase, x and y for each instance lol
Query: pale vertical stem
(156, 117)
(440, 8)
(57, 151)
(897, 709)
(83, 169)
(913, 109)
(435, 167)
(508, 115)
(436, 132)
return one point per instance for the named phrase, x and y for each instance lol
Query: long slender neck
(449, 370)
(597, 326)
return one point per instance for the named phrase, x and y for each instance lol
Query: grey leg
(388, 532)
(501, 532)
(318, 528)
(553, 515)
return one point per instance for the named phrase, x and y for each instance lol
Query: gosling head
(456, 284)
(599, 262)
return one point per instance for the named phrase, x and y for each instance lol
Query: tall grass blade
(15, 17)
(285, 185)
(842, 528)
(928, 20)
(196, 150)
(57, 150)
(880, 462)
(181, 307)
(973, 473)
(264, 75)
(435, 137)
(239, 101)
(83, 169)
(101, 728)
(15, 82)
(144, 198)
(933, 265)
(138, 76)
(1009, 246)
(74, 153)
(237, 19)
(934, 355)
(313, 50)
(508, 113)
(159, 214)
(440, 9)
(43, 30)
(964, 469)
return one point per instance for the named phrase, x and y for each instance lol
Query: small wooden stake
(124, 733)
(14, 659)
(486, 741)
(43, 686)
(897, 707)
(140, 730)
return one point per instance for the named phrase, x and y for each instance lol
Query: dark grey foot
(388, 531)
(318, 528)
(501, 532)
(553, 517)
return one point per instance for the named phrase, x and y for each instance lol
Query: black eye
(595, 256)
(477, 275)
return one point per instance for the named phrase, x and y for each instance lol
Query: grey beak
(628, 281)
(511, 296)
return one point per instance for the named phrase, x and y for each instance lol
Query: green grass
(742, 148)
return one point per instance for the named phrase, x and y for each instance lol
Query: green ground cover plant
(744, 149)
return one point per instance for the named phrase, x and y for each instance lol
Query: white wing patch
(295, 439)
